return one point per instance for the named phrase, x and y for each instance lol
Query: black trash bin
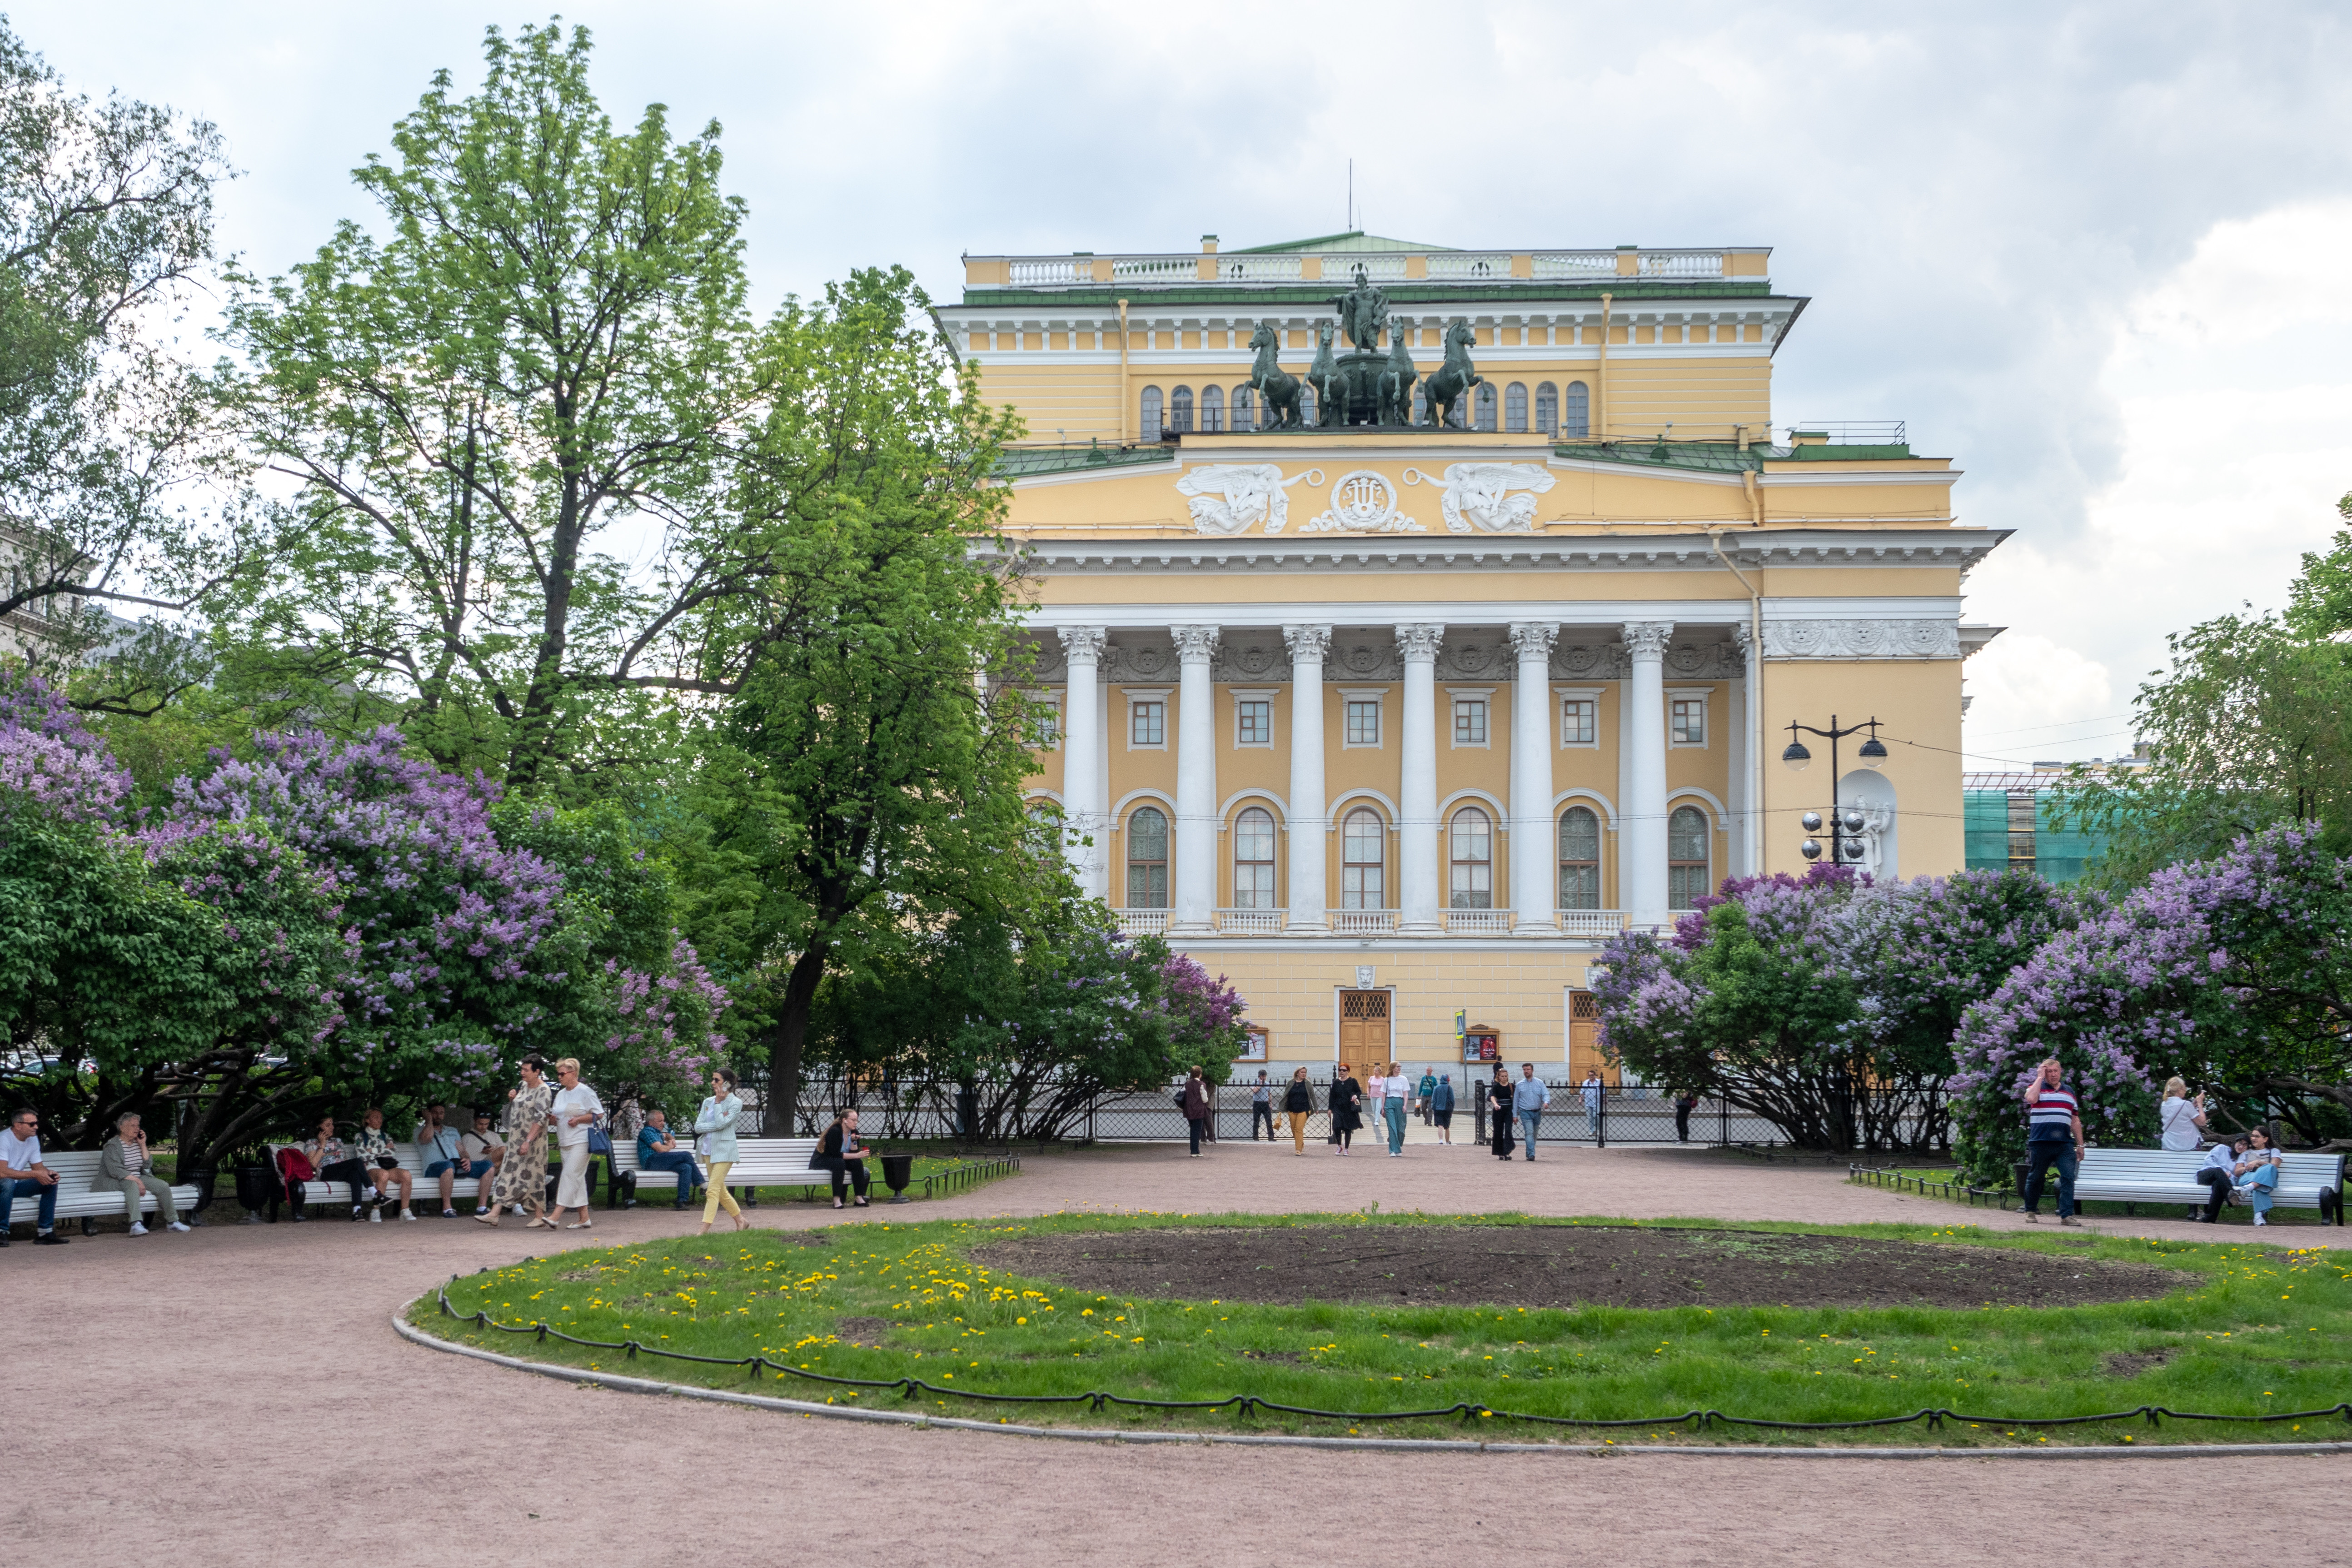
(256, 1188)
(898, 1169)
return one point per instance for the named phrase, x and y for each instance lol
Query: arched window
(1579, 858)
(1305, 403)
(1254, 859)
(1212, 409)
(1420, 403)
(1149, 430)
(1180, 410)
(1515, 407)
(1576, 412)
(1471, 843)
(1364, 861)
(1147, 859)
(1245, 408)
(1546, 407)
(1686, 876)
(1485, 406)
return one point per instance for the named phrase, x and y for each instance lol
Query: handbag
(599, 1141)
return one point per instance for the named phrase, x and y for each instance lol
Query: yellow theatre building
(1413, 618)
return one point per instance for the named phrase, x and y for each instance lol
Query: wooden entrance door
(1364, 1032)
(1584, 1039)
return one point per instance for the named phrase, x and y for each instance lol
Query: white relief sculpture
(1230, 497)
(1858, 637)
(1363, 502)
(1876, 821)
(1478, 497)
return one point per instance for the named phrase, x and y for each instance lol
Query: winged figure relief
(1228, 498)
(1478, 497)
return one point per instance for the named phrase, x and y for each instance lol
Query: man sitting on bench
(482, 1152)
(441, 1147)
(657, 1151)
(21, 1171)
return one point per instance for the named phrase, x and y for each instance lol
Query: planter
(898, 1169)
(256, 1188)
(200, 1177)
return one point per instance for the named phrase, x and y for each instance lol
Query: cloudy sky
(2092, 253)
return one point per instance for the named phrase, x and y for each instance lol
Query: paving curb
(621, 1384)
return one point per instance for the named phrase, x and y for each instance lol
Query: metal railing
(1857, 432)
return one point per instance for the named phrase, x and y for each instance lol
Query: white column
(1747, 826)
(1194, 906)
(1082, 760)
(1308, 645)
(1642, 871)
(1417, 900)
(1534, 898)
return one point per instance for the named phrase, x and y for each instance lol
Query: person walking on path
(1498, 1115)
(1528, 1098)
(2054, 1137)
(577, 1111)
(521, 1181)
(715, 1123)
(1194, 1100)
(1685, 1102)
(1400, 1096)
(1440, 1108)
(1346, 1099)
(1376, 1090)
(125, 1164)
(1298, 1104)
(22, 1172)
(1592, 1089)
(1262, 1107)
(1428, 1088)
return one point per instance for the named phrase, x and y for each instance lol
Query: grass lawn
(2264, 1329)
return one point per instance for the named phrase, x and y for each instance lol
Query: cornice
(1686, 551)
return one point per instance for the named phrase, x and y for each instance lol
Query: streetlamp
(1796, 759)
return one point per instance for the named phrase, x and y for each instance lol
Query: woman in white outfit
(2181, 1123)
(575, 1111)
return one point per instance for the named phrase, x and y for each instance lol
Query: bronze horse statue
(1395, 383)
(1277, 387)
(1448, 384)
(1324, 376)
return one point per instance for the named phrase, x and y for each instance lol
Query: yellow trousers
(1299, 1128)
(717, 1192)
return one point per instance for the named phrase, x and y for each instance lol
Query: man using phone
(2054, 1137)
(21, 1171)
(438, 1145)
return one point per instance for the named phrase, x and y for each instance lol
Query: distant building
(2013, 820)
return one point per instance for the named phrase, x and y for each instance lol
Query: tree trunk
(791, 1034)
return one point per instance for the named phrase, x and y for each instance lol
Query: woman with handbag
(1192, 1099)
(575, 1111)
(1298, 1104)
(1499, 1103)
(1347, 1097)
(521, 1180)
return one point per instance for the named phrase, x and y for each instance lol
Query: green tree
(865, 785)
(538, 370)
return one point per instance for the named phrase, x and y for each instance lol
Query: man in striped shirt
(2054, 1137)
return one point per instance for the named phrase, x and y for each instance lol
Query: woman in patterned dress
(521, 1176)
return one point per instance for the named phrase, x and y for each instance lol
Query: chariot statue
(1363, 312)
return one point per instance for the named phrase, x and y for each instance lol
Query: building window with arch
(1180, 411)
(1686, 846)
(1485, 406)
(1576, 412)
(1546, 407)
(1364, 861)
(1254, 859)
(1514, 408)
(1147, 858)
(1579, 858)
(1212, 409)
(1244, 409)
(1306, 405)
(1420, 403)
(1148, 429)
(1470, 846)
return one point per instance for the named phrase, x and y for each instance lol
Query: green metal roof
(1031, 462)
(1354, 240)
(1710, 457)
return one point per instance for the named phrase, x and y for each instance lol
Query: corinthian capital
(1646, 640)
(1084, 642)
(1532, 640)
(1419, 643)
(1194, 644)
(1308, 643)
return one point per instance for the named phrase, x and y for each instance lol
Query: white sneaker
(175, 1225)
(406, 1215)
(2261, 1219)
(375, 1215)
(138, 1229)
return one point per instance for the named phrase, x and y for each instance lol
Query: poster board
(1481, 1044)
(1256, 1036)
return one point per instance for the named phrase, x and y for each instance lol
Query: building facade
(1414, 618)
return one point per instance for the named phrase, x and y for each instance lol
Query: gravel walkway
(237, 1396)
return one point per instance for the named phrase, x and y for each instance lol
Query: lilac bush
(48, 756)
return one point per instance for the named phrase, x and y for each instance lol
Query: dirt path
(237, 1396)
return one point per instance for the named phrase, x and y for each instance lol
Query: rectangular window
(1363, 723)
(1470, 722)
(1688, 726)
(1049, 726)
(1256, 720)
(1579, 721)
(1149, 724)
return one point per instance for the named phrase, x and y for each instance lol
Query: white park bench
(758, 1163)
(77, 1199)
(2169, 1176)
(426, 1190)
